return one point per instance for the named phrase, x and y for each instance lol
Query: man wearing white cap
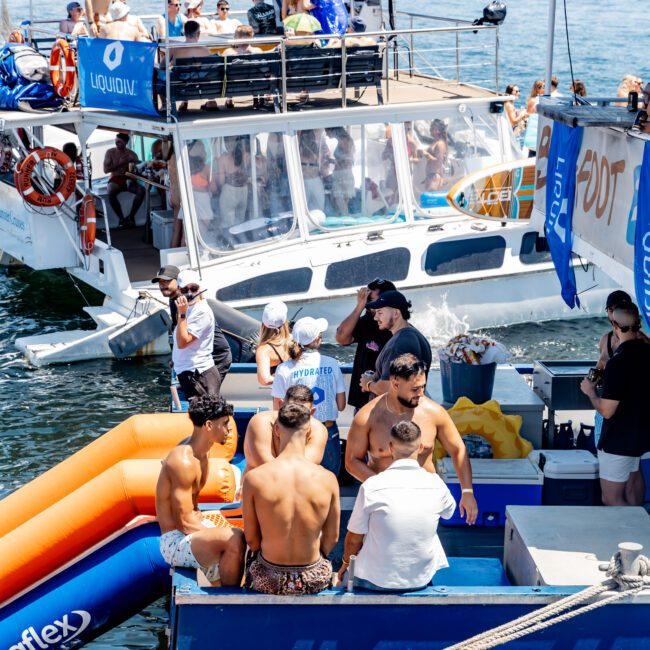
(320, 373)
(193, 340)
(119, 28)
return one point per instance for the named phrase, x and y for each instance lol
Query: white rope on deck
(556, 612)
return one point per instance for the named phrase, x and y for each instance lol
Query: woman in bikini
(275, 338)
(204, 185)
(436, 156)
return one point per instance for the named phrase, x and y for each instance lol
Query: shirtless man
(367, 452)
(291, 514)
(119, 28)
(186, 539)
(261, 446)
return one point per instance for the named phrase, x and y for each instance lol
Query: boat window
(465, 255)
(361, 270)
(349, 176)
(240, 191)
(445, 149)
(271, 284)
(534, 249)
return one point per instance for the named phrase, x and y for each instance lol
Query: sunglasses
(223, 8)
(191, 288)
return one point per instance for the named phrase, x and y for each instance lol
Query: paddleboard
(502, 192)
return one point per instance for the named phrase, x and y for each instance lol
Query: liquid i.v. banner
(117, 75)
(642, 240)
(560, 197)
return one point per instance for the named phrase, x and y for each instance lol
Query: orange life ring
(87, 224)
(62, 68)
(23, 178)
(16, 36)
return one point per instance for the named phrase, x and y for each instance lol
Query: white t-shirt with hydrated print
(316, 371)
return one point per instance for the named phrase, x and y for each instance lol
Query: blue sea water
(49, 413)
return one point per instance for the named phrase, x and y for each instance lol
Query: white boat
(344, 191)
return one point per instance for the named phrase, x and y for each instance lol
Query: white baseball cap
(118, 10)
(187, 277)
(306, 330)
(192, 4)
(275, 314)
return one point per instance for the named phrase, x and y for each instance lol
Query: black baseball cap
(381, 285)
(167, 273)
(394, 299)
(616, 298)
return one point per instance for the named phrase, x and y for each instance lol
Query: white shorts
(616, 468)
(176, 549)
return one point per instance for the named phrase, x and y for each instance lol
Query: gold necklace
(390, 410)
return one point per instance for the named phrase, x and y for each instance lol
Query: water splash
(439, 324)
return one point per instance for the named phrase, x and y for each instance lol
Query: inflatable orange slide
(74, 506)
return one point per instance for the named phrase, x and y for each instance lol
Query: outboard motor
(493, 14)
(241, 331)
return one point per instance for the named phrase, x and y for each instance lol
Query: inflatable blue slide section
(90, 597)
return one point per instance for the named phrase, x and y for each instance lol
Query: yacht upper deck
(440, 60)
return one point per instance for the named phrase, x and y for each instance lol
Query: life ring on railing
(87, 224)
(63, 71)
(488, 421)
(23, 178)
(16, 36)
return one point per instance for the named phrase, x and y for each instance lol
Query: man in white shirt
(223, 24)
(393, 526)
(193, 340)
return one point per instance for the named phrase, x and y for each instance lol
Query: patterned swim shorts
(268, 578)
(176, 549)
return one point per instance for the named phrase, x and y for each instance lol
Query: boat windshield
(240, 191)
(349, 176)
(445, 149)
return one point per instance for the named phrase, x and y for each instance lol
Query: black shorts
(196, 383)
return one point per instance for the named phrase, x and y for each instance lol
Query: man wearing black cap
(392, 313)
(167, 281)
(364, 331)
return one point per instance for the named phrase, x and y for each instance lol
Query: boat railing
(417, 41)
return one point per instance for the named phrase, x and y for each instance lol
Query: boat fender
(16, 36)
(488, 421)
(62, 68)
(87, 224)
(241, 330)
(24, 184)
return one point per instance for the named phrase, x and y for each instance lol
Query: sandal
(229, 103)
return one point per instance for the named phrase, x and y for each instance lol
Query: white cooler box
(162, 226)
(497, 483)
(559, 545)
(570, 477)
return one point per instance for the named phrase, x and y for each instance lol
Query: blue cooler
(497, 483)
(570, 477)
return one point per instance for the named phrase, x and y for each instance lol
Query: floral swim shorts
(268, 578)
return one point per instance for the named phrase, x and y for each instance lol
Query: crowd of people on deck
(290, 491)
(523, 118)
(114, 19)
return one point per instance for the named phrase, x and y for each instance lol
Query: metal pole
(168, 84)
(411, 50)
(496, 59)
(457, 55)
(283, 54)
(253, 156)
(344, 81)
(351, 567)
(550, 39)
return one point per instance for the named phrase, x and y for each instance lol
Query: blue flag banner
(117, 75)
(560, 195)
(642, 239)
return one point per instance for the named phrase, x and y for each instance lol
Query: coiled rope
(622, 584)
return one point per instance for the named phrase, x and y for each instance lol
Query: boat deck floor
(406, 89)
(141, 258)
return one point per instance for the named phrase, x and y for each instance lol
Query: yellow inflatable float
(488, 421)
